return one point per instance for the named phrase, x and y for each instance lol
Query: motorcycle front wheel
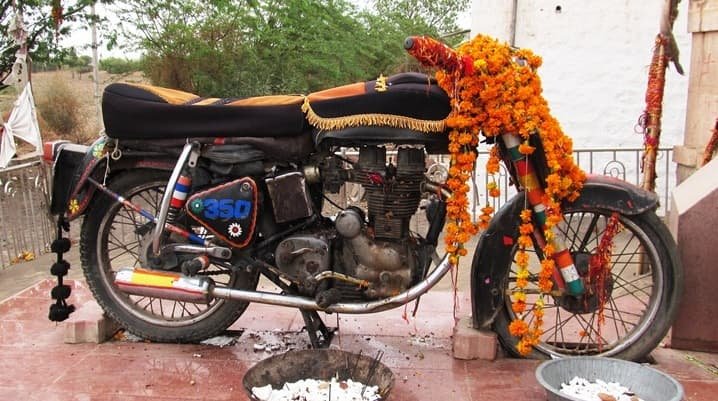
(640, 295)
(113, 236)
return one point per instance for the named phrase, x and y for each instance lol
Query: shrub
(61, 110)
(116, 65)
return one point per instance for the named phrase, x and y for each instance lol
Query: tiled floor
(35, 364)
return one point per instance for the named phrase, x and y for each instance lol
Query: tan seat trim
(273, 100)
(171, 96)
(340, 91)
(363, 120)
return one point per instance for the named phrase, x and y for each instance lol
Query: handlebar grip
(432, 53)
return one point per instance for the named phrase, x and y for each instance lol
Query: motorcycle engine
(303, 256)
(393, 192)
(379, 249)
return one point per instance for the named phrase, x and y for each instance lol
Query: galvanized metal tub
(647, 383)
(320, 364)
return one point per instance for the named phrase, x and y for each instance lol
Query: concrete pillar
(693, 218)
(702, 102)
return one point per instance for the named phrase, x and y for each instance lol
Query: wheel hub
(590, 301)
(165, 261)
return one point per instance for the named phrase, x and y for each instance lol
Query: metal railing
(622, 163)
(26, 228)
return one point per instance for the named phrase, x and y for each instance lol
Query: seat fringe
(360, 120)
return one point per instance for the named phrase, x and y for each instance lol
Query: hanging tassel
(60, 310)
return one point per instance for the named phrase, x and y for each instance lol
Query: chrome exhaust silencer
(165, 285)
(175, 286)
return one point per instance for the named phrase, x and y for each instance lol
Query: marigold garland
(501, 94)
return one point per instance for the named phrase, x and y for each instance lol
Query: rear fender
(492, 259)
(72, 195)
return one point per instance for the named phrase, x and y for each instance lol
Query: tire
(642, 302)
(109, 240)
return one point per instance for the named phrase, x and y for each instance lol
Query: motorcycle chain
(60, 310)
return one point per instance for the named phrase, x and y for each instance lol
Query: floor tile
(403, 352)
(265, 317)
(38, 366)
(137, 375)
(426, 384)
(699, 390)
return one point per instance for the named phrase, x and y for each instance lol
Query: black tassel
(60, 310)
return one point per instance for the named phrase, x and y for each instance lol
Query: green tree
(393, 20)
(430, 17)
(116, 65)
(309, 45)
(190, 45)
(253, 47)
(42, 31)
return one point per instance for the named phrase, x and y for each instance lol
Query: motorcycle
(188, 201)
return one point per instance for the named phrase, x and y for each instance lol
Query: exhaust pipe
(178, 287)
(165, 285)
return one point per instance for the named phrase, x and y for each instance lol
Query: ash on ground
(598, 390)
(274, 342)
(318, 390)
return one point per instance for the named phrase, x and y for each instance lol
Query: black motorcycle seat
(132, 111)
(410, 100)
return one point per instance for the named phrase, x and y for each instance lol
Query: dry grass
(82, 88)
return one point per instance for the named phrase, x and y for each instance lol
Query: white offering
(597, 390)
(318, 390)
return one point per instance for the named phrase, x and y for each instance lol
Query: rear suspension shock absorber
(179, 196)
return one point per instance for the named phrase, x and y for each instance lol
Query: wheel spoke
(630, 255)
(591, 227)
(123, 233)
(632, 297)
(623, 284)
(616, 310)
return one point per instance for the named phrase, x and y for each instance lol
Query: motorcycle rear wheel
(645, 285)
(110, 240)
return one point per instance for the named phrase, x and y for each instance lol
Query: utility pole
(95, 63)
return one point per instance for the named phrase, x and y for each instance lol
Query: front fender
(72, 192)
(492, 258)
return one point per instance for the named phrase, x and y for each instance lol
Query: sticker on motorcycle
(226, 208)
(228, 211)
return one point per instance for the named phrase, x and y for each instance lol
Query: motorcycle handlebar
(432, 53)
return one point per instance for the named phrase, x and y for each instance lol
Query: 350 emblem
(226, 208)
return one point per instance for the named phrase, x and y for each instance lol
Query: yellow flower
(74, 206)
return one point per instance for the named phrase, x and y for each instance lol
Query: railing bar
(668, 179)
(35, 234)
(24, 215)
(3, 225)
(20, 166)
(14, 225)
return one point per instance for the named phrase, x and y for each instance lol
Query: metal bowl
(647, 383)
(319, 364)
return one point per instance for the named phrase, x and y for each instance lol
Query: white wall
(596, 56)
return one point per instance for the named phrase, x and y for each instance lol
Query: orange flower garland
(501, 94)
(495, 90)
